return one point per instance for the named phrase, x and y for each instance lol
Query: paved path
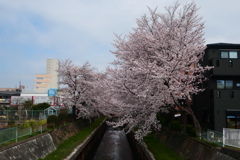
(114, 146)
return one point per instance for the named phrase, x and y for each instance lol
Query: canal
(114, 146)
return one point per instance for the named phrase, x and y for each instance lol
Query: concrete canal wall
(193, 149)
(41, 145)
(31, 149)
(140, 151)
(86, 150)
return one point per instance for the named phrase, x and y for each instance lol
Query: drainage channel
(114, 146)
(108, 143)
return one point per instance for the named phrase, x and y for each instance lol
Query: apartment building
(219, 105)
(43, 82)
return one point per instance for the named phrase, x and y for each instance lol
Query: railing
(231, 137)
(211, 136)
(15, 133)
(23, 115)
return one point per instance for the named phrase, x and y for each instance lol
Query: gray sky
(82, 30)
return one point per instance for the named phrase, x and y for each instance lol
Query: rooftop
(224, 45)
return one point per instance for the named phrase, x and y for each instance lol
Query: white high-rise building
(49, 80)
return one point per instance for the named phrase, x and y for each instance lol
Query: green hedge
(176, 126)
(191, 131)
(52, 121)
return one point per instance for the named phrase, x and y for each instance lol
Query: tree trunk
(184, 121)
(187, 108)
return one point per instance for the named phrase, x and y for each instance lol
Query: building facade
(218, 106)
(49, 80)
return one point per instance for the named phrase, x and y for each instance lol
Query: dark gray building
(219, 105)
(5, 97)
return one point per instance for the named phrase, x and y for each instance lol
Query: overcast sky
(32, 31)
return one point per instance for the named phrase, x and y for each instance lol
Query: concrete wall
(32, 149)
(41, 145)
(139, 150)
(87, 149)
(194, 149)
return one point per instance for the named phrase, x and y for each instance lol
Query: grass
(160, 150)
(66, 147)
(233, 148)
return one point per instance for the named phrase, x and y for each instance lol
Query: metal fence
(231, 137)
(211, 136)
(23, 115)
(15, 133)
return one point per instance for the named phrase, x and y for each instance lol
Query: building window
(39, 77)
(238, 84)
(38, 82)
(233, 120)
(229, 84)
(224, 54)
(224, 84)
(233, 54)
(220, 84)
(229, 54)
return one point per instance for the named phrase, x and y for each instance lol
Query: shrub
(44, 121)
(62, 116)
(191, 131)
(70, 115)
(52, 120)
(11, 123)
(164, 118)
(13, 108)
(63, 110)
(30, 123)
(176, 126)
(69, 118)
(40, 106)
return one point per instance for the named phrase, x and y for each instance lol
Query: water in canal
(114, 146)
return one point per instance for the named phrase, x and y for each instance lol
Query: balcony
(225, 67)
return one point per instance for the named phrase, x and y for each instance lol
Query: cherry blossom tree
(157, 68)
(78, 87)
